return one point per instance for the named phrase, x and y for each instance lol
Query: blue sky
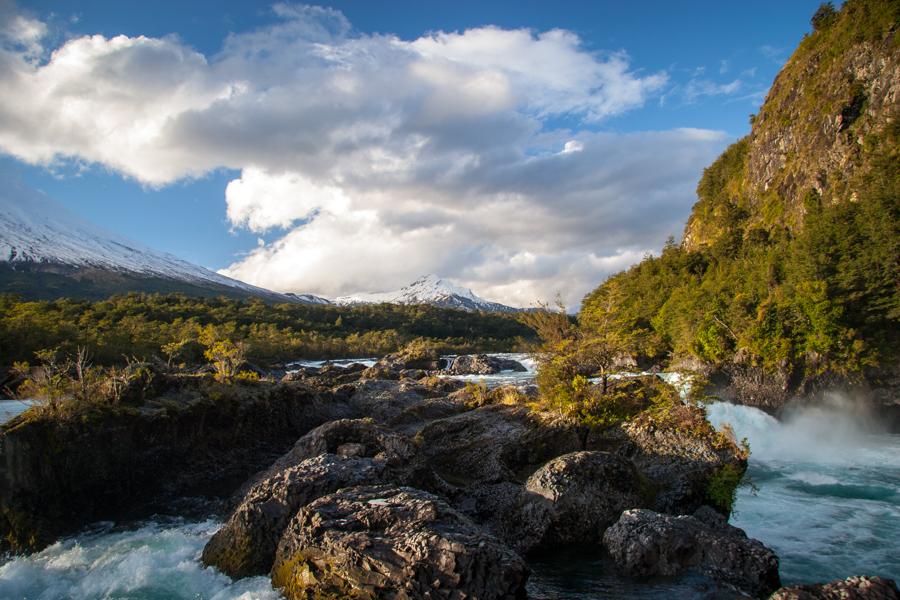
(699, 65)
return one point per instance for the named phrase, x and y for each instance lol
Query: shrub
(722, 487)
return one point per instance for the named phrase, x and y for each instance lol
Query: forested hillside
(169, 326)
(790, 261)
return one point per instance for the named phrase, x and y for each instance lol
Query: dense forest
(791, 258)
(170, 327)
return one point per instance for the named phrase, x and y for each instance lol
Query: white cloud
(381, 158)
(21, 31)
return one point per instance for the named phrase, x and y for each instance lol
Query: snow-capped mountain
(42, 239)
(429, 289)
(309, 299)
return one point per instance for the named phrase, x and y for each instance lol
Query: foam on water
(503, 377)
(158, 560)
(341, 362)
(828, 490)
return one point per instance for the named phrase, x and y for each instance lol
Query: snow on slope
(429, 289)
(309, 298)
(34, 228)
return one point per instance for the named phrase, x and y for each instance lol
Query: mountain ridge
(428, 289)
(47, 251)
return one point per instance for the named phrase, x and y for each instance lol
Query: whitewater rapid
(825, 491)
(156, 560)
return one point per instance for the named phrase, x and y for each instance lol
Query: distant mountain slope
(46, 251)
(429, 289)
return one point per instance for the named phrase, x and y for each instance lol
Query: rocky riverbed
(363, 481)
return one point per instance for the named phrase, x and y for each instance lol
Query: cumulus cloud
(376, 158)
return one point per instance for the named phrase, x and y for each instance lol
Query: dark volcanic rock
(57, 474)
(644, 543)
(428, 360)
(392, 542)
(246, 544)
(852, 588)
(678, 456)
(574, 498)
(374, 440)
(367, 438)
(496, 443)
(482, 364)
(384, 401)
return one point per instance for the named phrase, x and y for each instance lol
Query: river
(825, 497)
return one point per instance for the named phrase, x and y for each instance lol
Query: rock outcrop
(496, 443)
(482, 364)
(852, 588)
(246, 544)
(573, 499)
(58, 474)
(644, 543)
(392, 542)
(679, 455)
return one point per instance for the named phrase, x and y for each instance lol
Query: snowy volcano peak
(428, 289)
(37, 234)
(433, 287)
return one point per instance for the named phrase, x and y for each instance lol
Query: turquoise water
(827, 496)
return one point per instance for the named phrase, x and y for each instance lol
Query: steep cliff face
(823, 119)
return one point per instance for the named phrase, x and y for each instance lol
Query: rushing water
(827, 500)
(154, 560)
(827, 496)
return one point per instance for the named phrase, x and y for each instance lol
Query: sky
(523, 149)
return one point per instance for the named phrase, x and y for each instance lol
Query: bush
(63, 384)
(722, 487)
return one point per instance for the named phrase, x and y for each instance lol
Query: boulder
(346, 437)
(852, 588)
(679, 455)
(384, 400)
(573, 499)
(300, 374)
(425, 358)
(246, 544)
(496, 443)
(644, 543)
(380, 372)
(482, 364)
(374, 441)
(392, 542)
